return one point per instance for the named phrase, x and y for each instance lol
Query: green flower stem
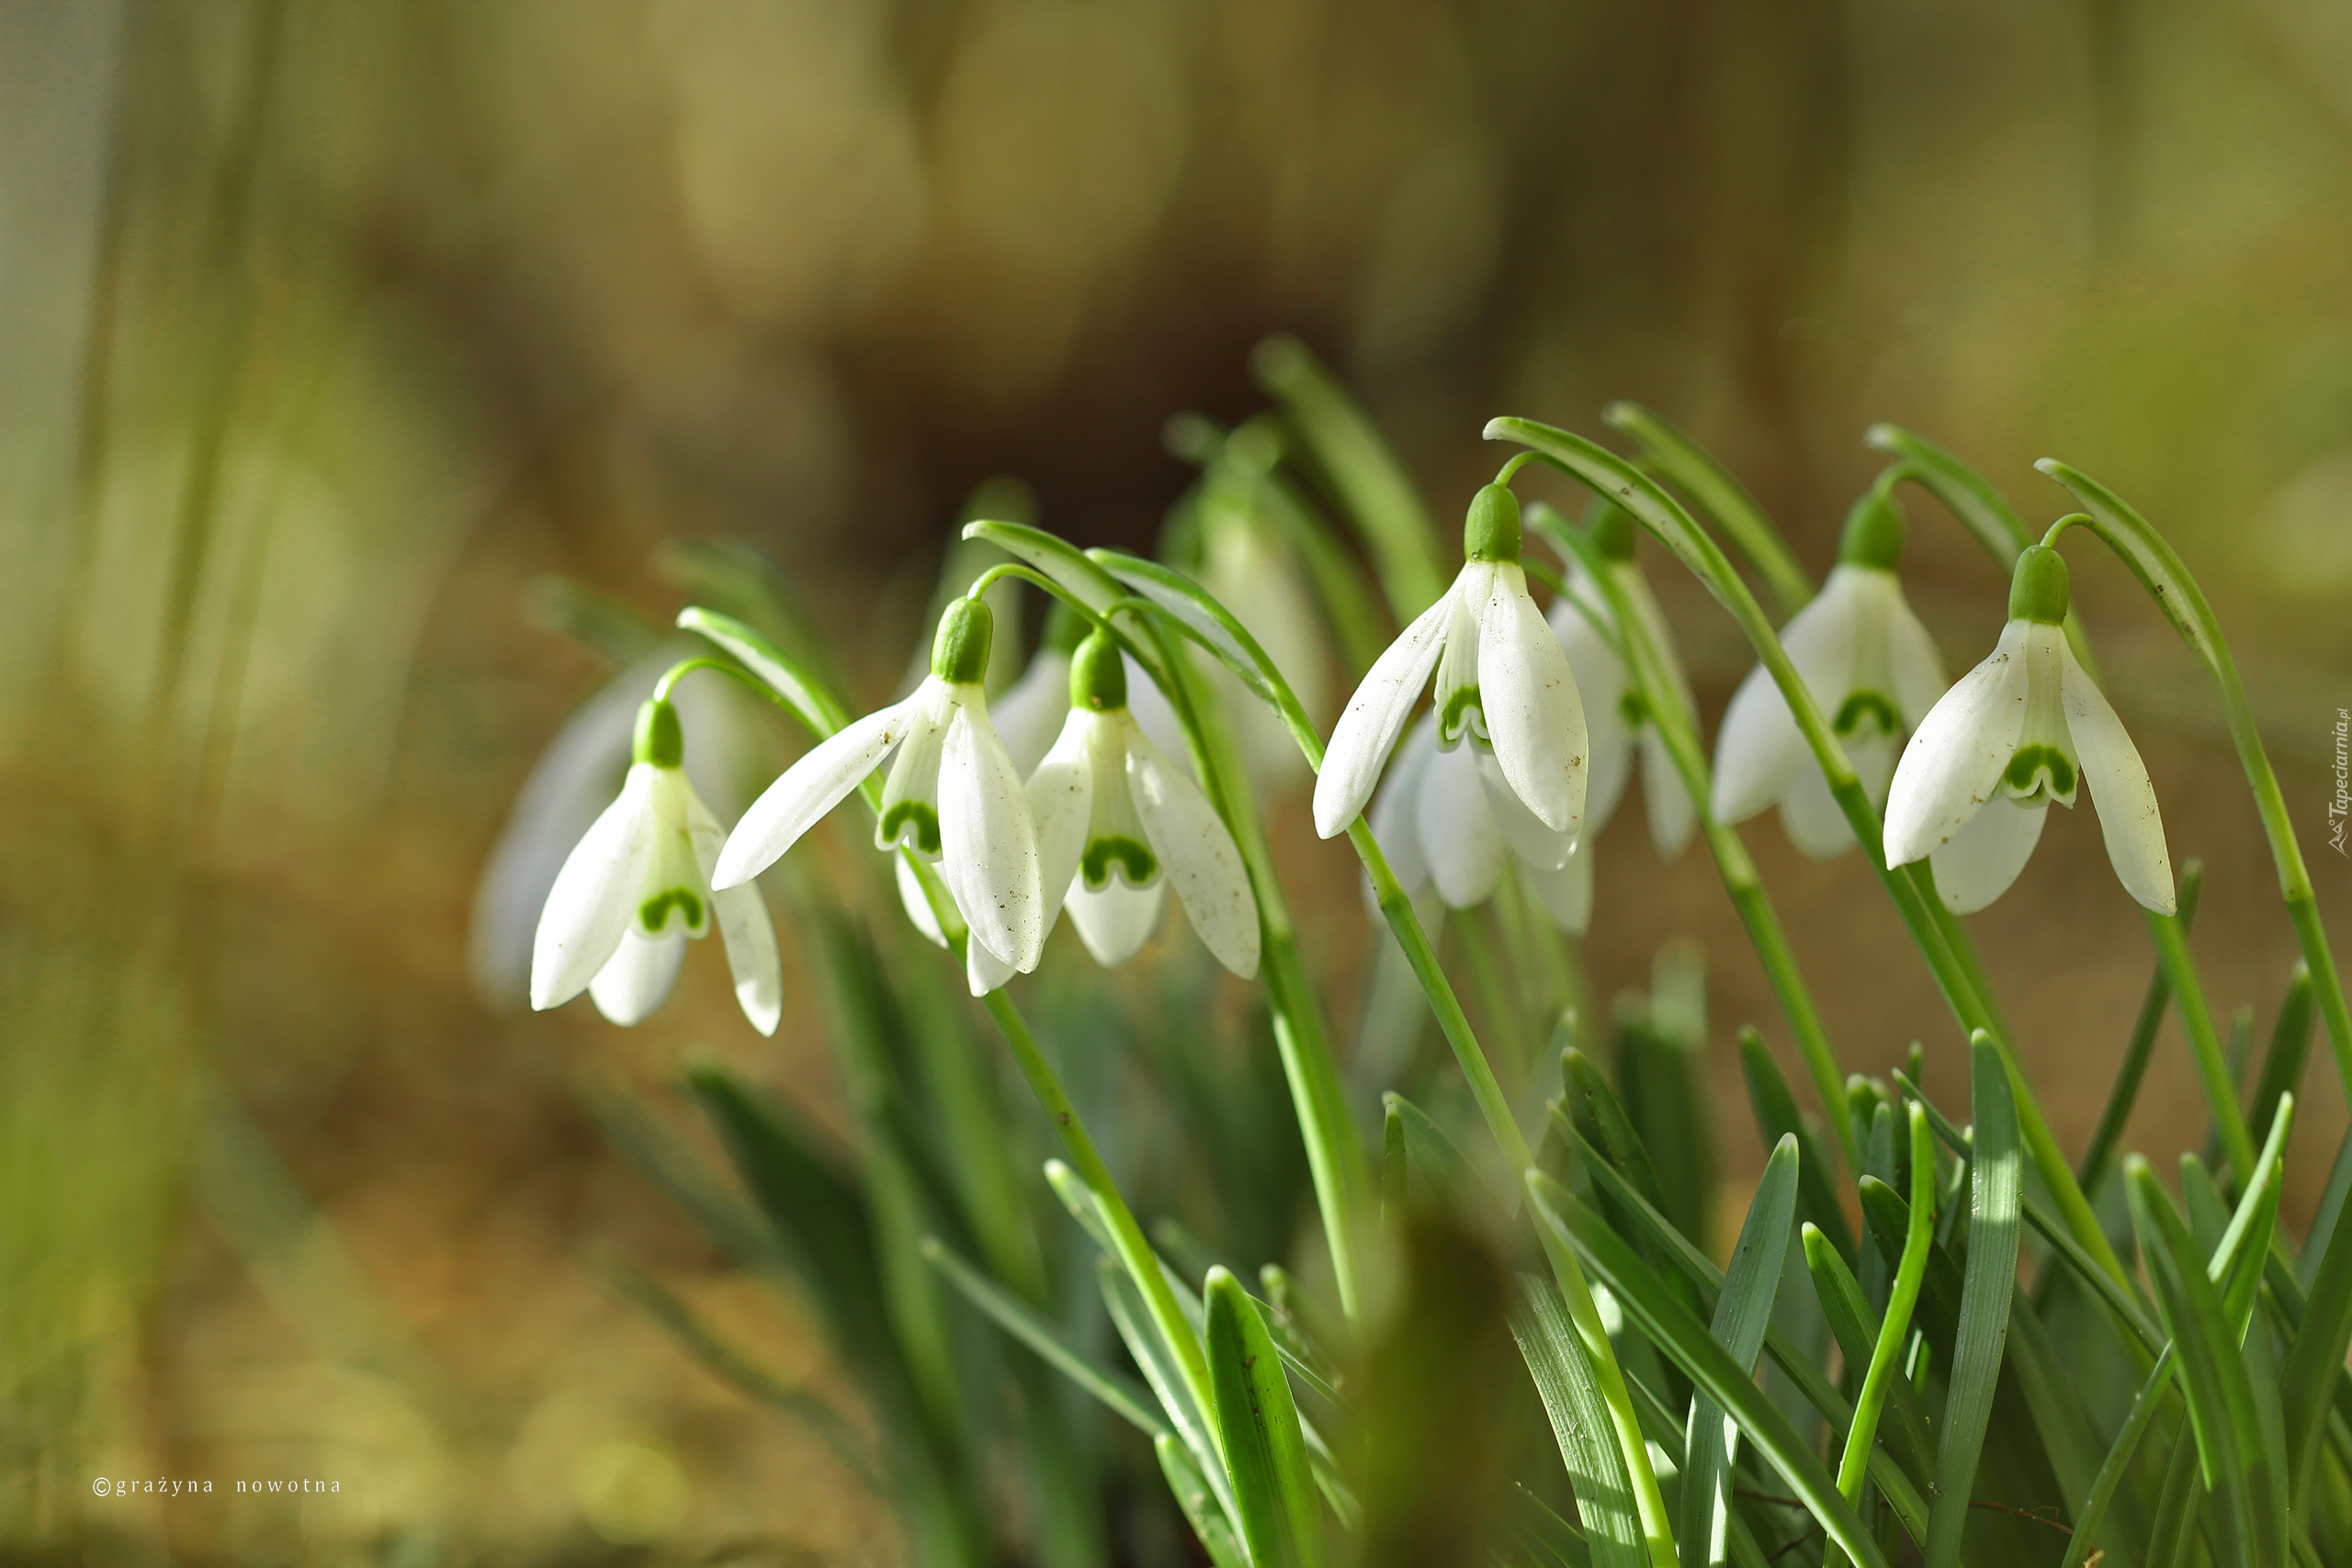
(2212, 1065)
(2166, 578)
(1940, 938)
(1722, 496)
(1908, 1275)
(1335, 1157)
(1679, 729)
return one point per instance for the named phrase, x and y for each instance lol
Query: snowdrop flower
(2026, 727)
(1870, 666)
(1246, 567)
(1501, 682)
(952, 796)
(1119, 822)
(1616, 724)
(639, 884)
(1448, 823)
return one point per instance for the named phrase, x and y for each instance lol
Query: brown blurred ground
(329, 327)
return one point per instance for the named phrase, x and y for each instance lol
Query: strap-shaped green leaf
(1273, 1486)
(1551, 1541)
(2316, 1365)
(1431, 1155)
(1694, 471)
(1743, 1313)
(1051, 554)
(1344, 449)
(2237, 1456)
(1967, 494)
(1018, 1318)
(1564, 1379)
(1777, 1117)
(1202, 1510)
(1158, 1362)
(1802, 1374)
(1856, 1328)
(1683, 1341)
(2290, 1048)
(1997, 1175)
(807, 696)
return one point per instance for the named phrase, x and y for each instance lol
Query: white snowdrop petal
(1600, 691)
(1533, 842)
(1916, 668)
(750, 939)
(809, 789)
(594, 896)
(637, 977)
(1393, 810)
(912, 899)
(1368, 726)
(1197, 855)
(988, 844)
(1758, 751)
(1811, 817)
(983, 970)
(1953, 763)
(1985, 856)
(1532, 712)
(1061, 798)
(1029, 714)
(1567, 893)
(1149, 707)
(1458, 833)
(1672, 817)
(2121, 792)
(1115, 922)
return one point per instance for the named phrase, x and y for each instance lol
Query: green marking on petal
(913, 818)
(1137, 864)
(653, 915)
(2040, 771)
(1461, 704)
(1866, 707)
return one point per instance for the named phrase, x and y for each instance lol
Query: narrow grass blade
(1743, 1312)
(1344, 449)
(1857, 1330)
(1201, 1509)
(1678, 1335)
(1158, 1365)
(806, 695)
(1997, 1175)
(1430, 1155)
(2316, 1365)
(2238, 1464)
(1896, 1327)
(1273, 1486)
(1564, 1379)
(1551, 1542)
(1801, 1373)
(1777, 1117)
(1124, 1396)
(1692, 470)
(2290, 1047)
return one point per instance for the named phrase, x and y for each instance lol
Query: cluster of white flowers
(1555, 722)
(1076, 806)
(1103, 823)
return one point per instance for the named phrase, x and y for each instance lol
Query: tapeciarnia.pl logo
(2339, 809)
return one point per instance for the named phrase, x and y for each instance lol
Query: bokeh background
(328, 329)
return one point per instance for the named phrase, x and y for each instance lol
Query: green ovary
(2040, 772)
(1136, 865)
(1633, 709)
(653, 915)
(916, 814)
(1866, 709)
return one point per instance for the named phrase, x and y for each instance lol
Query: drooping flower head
(639, 884)
(2026, 728)
(952, 796)
(1502, 684)
(1617, 722)
(1870, 666)
(1119, 822)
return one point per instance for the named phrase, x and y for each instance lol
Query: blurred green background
(327, 328)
